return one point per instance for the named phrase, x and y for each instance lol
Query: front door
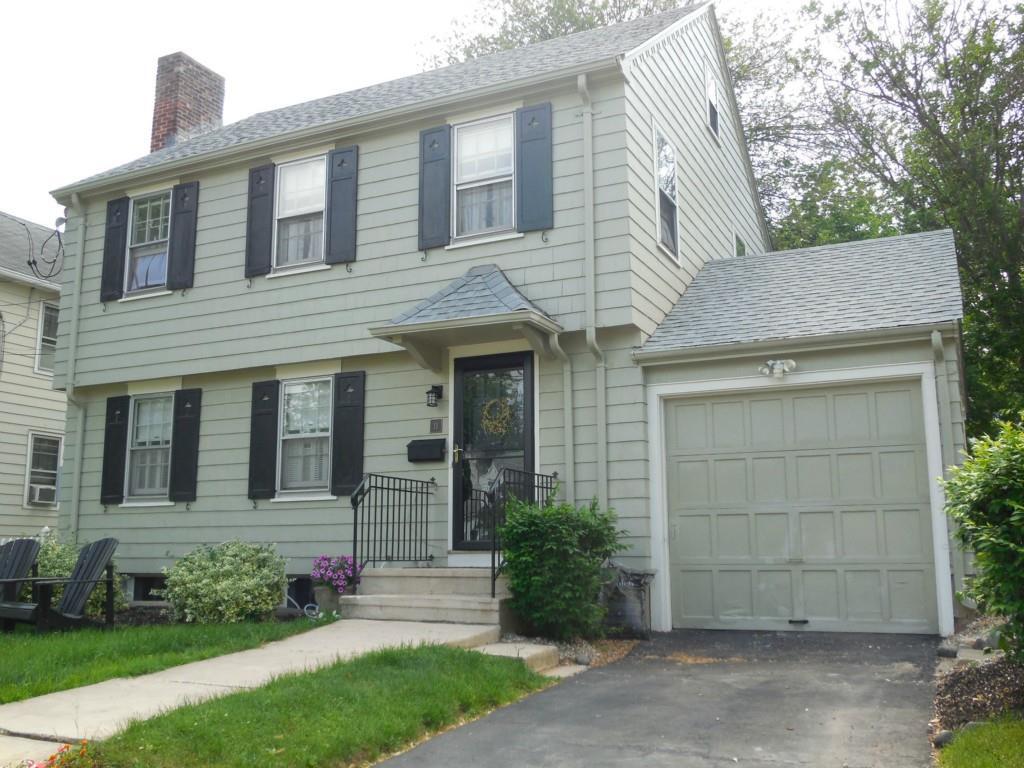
(492, 429)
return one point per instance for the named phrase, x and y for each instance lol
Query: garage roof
(868, 285)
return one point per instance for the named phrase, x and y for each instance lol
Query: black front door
(492, 429)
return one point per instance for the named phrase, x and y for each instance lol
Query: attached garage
(801, 407)
(801, 507)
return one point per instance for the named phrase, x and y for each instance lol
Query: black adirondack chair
(17, 561)
(93, 560)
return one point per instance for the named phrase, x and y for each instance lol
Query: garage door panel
(806, 504)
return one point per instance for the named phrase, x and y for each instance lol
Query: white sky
(77, 91)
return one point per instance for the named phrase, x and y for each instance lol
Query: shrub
(985, 497)
(339, 573)
(57, 558)
(228, 583)
(554, 558)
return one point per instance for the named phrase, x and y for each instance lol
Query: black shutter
(342, 170)
(181, 251)
(115, 446)
(115, 241)
(259, 226)
(263, 440)
(347, 441)
(535, 204)
(185, 445)
(435, 187)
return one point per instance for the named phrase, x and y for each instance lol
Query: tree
(499, 25)
(929, 104)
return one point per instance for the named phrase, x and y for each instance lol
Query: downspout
(69, 385)
(590, 299)
(568, 420)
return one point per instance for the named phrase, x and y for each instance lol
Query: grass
(999, 744)
(348, 713)
(34, 665)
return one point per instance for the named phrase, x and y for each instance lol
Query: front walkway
(100, 710)
(716, 699)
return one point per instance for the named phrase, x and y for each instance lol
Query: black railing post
(109, 602)
(393, 514)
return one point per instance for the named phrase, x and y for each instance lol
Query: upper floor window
(741, 246)
(47, 346)
(299, 214)
(711, 92)
(484, 177)
(147, 244)
(668, 218)
(305, 433)
(43, 467)
(149, 446)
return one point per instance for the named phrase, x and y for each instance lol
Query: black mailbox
(432, 449)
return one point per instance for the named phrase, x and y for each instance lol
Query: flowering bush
(231, 582)
(339, 573)
(68, 757)
(57, 558)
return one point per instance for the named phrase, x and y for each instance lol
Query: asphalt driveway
(692, 699)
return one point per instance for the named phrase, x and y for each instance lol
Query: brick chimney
(189, 100)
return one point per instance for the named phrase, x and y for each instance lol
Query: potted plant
(332, 577)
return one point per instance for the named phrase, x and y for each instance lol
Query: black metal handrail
(531, 487)
(390, 519)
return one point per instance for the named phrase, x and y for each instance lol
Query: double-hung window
(665, 172)
(149, 446)
(299, 214)
(711, 93)
(43, 467)
(305, 455)
(147, 245)
(47, 347)
(484, 186)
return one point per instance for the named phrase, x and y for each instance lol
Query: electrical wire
(54, 266)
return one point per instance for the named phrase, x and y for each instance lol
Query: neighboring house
(474, 275)
(32, 421)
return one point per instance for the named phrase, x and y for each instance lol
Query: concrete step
(537, 657)
(431, 581)
(456, 609)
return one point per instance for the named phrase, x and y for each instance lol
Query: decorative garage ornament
(777, 368)
(496, 416)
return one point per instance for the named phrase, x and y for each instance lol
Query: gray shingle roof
(481, 292)
(550, 56)
(868, 285)
(16, 243)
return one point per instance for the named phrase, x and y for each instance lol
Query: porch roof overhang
(479, 307)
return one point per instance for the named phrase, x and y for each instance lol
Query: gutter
(590, 288)
(31, 280)
(318, 133)
(69, 378)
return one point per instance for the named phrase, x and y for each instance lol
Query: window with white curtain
(484, 177)
(667, 209)
(48, 315)
(305, 455)
(299, 216)
(147, 245)
(149, 446)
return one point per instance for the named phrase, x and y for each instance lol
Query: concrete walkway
(101, 710)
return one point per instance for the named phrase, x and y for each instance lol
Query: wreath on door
(496, 416)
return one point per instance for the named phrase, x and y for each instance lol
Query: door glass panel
(493, 438)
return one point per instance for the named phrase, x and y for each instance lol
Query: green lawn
(999, 744)
(351, 712)
(37, 664)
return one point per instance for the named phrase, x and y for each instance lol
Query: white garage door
(801, 509)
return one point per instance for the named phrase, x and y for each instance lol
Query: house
(544, 268)
(32, 425)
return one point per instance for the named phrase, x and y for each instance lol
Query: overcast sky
(78, 77)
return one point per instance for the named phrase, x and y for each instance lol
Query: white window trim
(299, 269)
(156, 290)
(145, 501)
(457, 239)
(711, 77)
(306, 265)
(32, 434)
(656, 130)
(922, 374)
(303, 494)
(39, 337)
